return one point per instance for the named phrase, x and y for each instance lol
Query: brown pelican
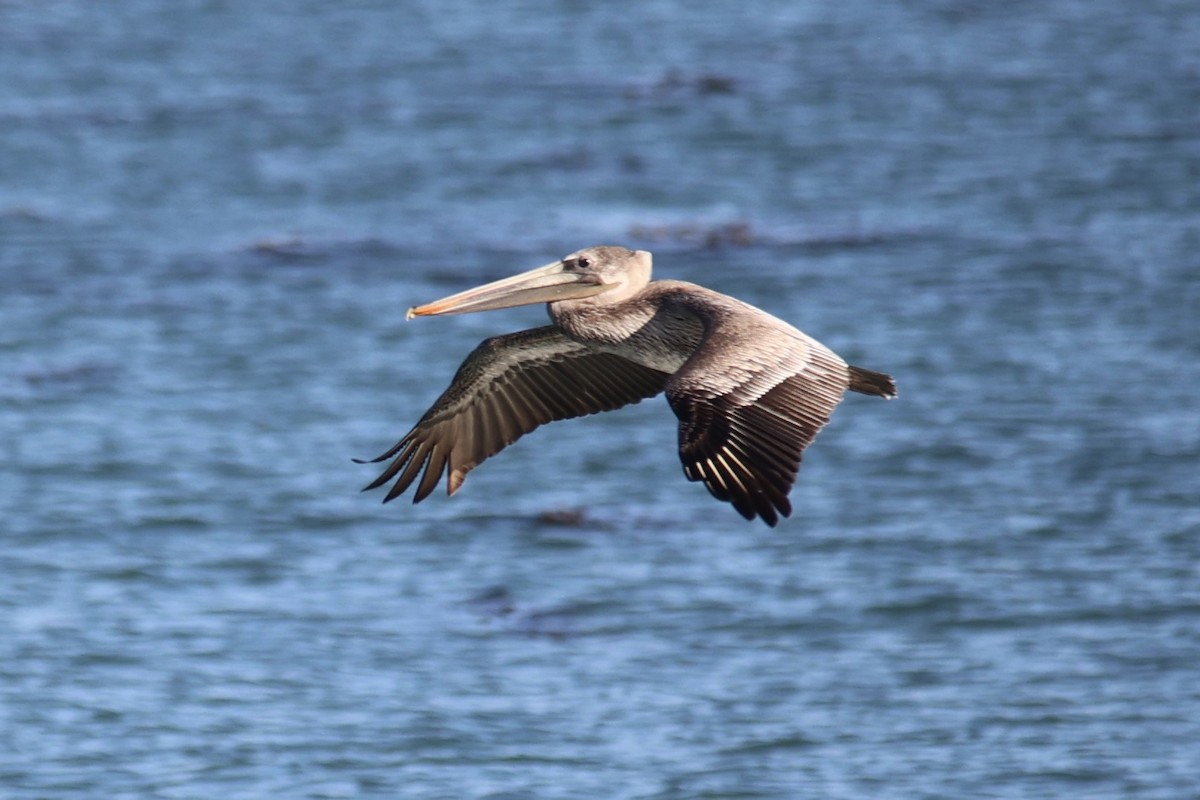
(751, 392)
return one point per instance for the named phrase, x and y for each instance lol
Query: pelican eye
(583, 262)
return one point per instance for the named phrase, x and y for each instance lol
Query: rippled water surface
(213, 216)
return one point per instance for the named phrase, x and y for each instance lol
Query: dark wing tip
(752, 494)
(386, 454)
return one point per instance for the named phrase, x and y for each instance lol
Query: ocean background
(213, 216)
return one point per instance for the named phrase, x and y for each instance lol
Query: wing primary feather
(398, 462)
(413, 462)
(462, 451)
(433, 472)
(741, 493)
(391, 451)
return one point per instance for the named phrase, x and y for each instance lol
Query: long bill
(542, 285)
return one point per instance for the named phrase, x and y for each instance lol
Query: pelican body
(750, 391)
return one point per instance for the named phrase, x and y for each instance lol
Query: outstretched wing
(752, 396)
(508, 386)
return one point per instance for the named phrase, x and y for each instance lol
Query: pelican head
(615, 273)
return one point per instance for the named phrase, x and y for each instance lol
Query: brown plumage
(750, 391)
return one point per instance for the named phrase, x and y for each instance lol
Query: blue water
(213, 216)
